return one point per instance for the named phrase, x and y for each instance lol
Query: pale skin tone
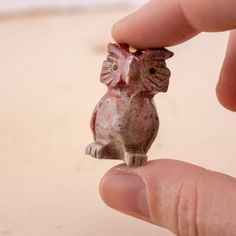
(186, 199)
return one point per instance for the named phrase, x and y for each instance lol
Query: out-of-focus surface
(16, 5)
(49, 85)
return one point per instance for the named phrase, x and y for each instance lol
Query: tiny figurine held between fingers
(125, 121)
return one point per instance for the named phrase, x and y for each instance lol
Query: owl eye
(152, 70)
(114, 66)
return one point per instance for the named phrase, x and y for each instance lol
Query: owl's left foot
(134, 159)
(96, 149)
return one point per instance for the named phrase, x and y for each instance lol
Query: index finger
(162, 23)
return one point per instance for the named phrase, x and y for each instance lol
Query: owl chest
(111, 110)
(124, 114)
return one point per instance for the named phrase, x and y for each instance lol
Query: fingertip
(226, 87)
(107, 181)
(115, 32)
(149, 26)
(226, 96)
(125, 192)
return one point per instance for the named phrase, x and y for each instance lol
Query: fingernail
(126, 193)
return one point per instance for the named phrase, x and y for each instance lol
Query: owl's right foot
(96, 149)
(135, 159)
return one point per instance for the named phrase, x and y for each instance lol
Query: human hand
(162, 23)
(186, 199)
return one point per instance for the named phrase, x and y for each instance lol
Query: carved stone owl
(125, 121)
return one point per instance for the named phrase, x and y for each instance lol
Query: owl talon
(96, 150)
(134, 159)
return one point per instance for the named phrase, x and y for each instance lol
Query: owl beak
(127, 75)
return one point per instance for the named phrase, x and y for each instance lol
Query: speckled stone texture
(125, 121)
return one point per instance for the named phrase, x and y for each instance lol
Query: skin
(184, 198)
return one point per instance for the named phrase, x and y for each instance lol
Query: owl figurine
(125, 121)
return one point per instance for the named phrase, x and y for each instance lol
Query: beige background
(49, 85)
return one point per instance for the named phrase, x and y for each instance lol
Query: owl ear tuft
(114, 49)
(157, 54)
(117, 49)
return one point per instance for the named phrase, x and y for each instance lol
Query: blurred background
(50, 61)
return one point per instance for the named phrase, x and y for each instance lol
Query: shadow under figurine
(125, 121)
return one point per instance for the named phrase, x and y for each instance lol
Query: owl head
(142, 69)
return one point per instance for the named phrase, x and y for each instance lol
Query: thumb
(186, 199)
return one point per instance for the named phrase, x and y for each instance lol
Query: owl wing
(94, 117)
(93, 122)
